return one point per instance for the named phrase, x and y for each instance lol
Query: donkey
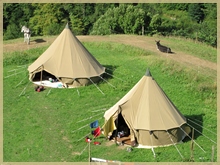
(162, 48)
(27, 34)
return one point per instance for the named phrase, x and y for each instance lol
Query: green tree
(47, 19)
(14, 16)
(196, 12)
(11, 32)
(191, 20)
(106, 24)
(155, 23)
(133, 20)
(174, 6)
(76, 24)
(208, 32)
(126, 19)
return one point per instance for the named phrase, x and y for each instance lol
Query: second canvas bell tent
(147, 116)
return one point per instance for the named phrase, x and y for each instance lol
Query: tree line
(190, 20)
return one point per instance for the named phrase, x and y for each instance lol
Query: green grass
(191, 47)
(38, 126)
(17, 40)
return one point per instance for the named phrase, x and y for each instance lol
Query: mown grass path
(144, 42)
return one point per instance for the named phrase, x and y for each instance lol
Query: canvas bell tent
(67, 61)
(147, 116)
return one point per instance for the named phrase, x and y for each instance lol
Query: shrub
(12, 32)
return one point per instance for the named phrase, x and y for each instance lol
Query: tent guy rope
(23, 91)
(202, 127)
(99, 110)
(114, 76)
(20, 82)
(14, 70)
(49, 91)
(175, 145)
(193, 140)
(202, 134)
(14, 74)
(89, 117)
(77, 91)
(83, 137)
(107, 82)
(96, 86)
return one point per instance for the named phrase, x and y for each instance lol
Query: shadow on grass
(196, 123)
(109, 69)
(38, 40)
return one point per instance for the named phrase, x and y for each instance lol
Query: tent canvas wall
(68, 61)
(152, 118)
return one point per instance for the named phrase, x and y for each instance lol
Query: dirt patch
(144, 42)
(76, 153)
(66, 139)
(21, 46)
(110, 143)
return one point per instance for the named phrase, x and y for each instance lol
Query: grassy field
(50, 126)
(192, 47)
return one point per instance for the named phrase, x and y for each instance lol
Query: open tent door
(123, 133)
(43, 76)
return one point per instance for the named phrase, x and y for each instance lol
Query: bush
(125, 19)
(52, 29)
(12, 32)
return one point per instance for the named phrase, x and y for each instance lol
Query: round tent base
(47, 83)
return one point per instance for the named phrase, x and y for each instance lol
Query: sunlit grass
(192, 47)
(39, 127)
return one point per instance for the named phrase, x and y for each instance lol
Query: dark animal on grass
(162, 48)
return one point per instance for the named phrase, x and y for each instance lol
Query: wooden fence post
(192, 147)
(213, 152)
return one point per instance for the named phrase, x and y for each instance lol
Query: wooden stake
(89, 154)
(213, 151)
(192, 146)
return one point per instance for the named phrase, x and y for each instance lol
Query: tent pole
(41, 76)
(116, 132)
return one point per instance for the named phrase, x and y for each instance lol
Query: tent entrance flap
(121, 125)
(122, 129)
(43, 75)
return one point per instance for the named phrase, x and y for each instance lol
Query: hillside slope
(147, 43)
